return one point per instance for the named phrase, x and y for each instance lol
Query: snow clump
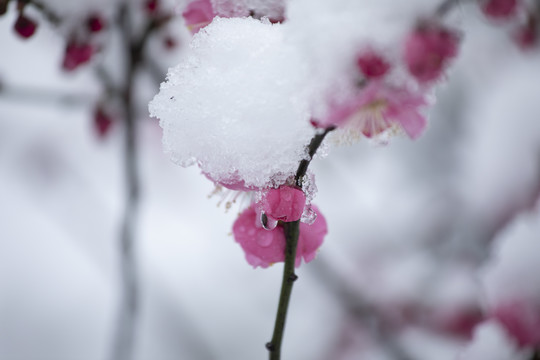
(236, 105)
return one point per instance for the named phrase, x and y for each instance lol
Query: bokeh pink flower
(499, 9)
(428, 50)
(76, 54)
(25, 26)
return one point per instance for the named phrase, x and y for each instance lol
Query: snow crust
(233, 106)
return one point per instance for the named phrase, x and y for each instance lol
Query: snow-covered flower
(265, 247)
(428, 50)
(377, 108)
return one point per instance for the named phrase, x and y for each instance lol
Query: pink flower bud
(151, 6)
(285, 203)
(521, 319)
(102, 122)
(526, 36)
(428, 49)
(499, 9)
(198, 14)
(76, 54)
(372, 65)
(24, 26)
(95, 23)
(266, 247)
(170, 42)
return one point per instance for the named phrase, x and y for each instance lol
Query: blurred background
(411, 224)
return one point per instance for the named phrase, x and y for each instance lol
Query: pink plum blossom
(428, 49)
(265, 247)
(284, 203)
(499, 9)
(379, 107)
(372, 64)
(521, 319)
(198, 14)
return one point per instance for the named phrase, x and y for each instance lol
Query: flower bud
(428, 49)
(24, 26)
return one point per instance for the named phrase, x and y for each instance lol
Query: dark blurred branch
(445, 7)
(46, 11)
(123, 342)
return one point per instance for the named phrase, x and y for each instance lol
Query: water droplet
(268, 223)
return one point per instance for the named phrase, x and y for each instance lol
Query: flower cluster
(379, 103)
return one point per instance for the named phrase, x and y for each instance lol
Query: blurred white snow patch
(490, 342)
(420, 344)
(501, 154)
(514, 268)
(236, 105)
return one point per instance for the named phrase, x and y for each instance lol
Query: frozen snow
(234, 106)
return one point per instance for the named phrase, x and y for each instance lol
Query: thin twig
(292, 231)
(53, 18)
(125, 332)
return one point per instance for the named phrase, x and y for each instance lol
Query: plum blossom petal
(266, 247)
